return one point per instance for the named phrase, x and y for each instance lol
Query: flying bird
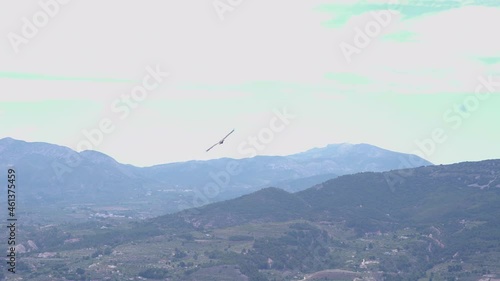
(221, 141)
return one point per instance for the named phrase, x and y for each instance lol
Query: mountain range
(366, 200)
(437, 222)
(443, 222)
(49, 174)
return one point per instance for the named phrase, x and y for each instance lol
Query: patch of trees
(105, 251)
(154, 273)
(240, 238)
(304, 247)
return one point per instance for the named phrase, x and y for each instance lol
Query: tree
(80, 271)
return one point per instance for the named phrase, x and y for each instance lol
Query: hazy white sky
(389, 73)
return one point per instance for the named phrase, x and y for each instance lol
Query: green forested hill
(434, 222)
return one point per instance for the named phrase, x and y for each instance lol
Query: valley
(436, 225)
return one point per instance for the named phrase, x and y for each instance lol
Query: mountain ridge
(368, 196)
(333, 146)
(55, 173)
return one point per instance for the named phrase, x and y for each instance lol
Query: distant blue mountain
(50, 174)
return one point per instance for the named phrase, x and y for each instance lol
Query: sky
(152, 82)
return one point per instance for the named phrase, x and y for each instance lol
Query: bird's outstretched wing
(212, 146)
(227, 135)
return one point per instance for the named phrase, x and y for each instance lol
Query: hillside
(436, 222)
(266, 205)
(56, 175)
(431, 194)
